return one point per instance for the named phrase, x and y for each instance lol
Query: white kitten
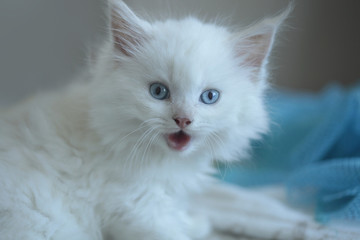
(115, 155)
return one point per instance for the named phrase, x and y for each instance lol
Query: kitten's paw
(243, 212)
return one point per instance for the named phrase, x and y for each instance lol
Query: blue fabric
(313, 148)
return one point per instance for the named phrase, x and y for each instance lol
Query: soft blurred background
(43, 43)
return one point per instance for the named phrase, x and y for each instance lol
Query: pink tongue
(178, 140)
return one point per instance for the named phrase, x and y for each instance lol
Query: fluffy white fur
(92, 162)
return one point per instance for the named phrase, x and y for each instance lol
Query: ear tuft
(127, 31)
(255, 43)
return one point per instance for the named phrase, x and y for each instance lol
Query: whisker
(140, 149)
(134, 149)
(141, 126)
(132, 132)
(148, 147)
(216, 138)
(215, 162)
(151, 120)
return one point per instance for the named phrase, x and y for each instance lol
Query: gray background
(43, 43)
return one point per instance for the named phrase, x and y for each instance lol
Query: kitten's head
(181, 89)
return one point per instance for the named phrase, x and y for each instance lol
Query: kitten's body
(94, 160)
(55, 177)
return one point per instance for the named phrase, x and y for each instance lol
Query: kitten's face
(179, 89)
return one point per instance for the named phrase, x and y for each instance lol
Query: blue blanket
(314, 149)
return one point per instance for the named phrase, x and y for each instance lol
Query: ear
(127, 29)
(254, 44)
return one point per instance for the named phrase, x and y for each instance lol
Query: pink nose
(182, 122)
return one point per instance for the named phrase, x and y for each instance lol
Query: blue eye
(210, 96)
(159, 91)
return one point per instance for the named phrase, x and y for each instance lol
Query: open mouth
(179, 140)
